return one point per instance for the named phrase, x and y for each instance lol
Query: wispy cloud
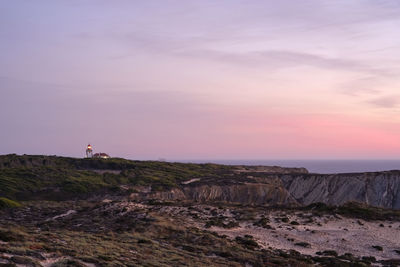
(364, 86)
(386, 102)
(277, 59)
(178, 76)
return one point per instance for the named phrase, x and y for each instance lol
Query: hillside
(60, 178)
(381, 189)
(57, 211)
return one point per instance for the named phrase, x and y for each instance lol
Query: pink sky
(201, 79)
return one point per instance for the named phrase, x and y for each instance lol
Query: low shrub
(379, 248)
(7, 203)
(247, 241)
(11, 235)
(303, 244)
(67, 262)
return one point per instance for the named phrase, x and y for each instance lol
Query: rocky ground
(57, 211)
(127, 233)
(301, 230)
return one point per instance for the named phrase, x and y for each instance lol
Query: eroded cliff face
(30, 177)
(380, 189)
(271, 192)
(248, 193)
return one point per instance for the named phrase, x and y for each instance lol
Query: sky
(226, 79)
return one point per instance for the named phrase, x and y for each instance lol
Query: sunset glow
(201, 79)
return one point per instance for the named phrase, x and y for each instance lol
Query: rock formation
(380, 189)
(49, 177)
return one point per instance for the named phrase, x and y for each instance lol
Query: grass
(58, 178)
(7, 203)
(12, 234)
(139, 237)
(220, 222)
(356, 210)
(162, 244)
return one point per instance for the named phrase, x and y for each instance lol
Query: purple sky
(201, 79)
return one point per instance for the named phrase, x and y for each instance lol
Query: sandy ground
(283, 229)
(48, 262)
(343, 235)
(328, 232)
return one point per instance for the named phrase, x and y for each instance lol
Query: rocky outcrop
(271, 193)
(36, 177)
(381, 189)
(173, 194)
(248, 193)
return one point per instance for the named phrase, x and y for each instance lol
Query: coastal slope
(381, 189)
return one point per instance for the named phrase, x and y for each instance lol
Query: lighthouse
(89, 151)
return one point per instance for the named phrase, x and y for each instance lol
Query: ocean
(319, 166)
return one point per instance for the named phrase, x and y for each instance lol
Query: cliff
(270, 192)
(149, 213)
(381, 189)
(248, 193)
(58, 178)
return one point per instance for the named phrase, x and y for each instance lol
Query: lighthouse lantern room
(89, 151)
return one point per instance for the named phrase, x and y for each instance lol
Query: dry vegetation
(76, 212)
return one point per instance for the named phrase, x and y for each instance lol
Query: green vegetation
(303, 244)
(379, 248)
(113, 231)
(12, 234)
(355, 210)
(59, 178)
(68, 262)
(328, 253)
(151, 241)
(247, 241)
(122, 233)
(263, 222)
(7, 203)
(220, 222)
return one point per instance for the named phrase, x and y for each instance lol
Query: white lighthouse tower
(89, 151)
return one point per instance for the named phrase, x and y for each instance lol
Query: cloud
(289, 58)
(108, 99)
(363, 86)
(36, 115)
(386, 102)
(277, 59)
